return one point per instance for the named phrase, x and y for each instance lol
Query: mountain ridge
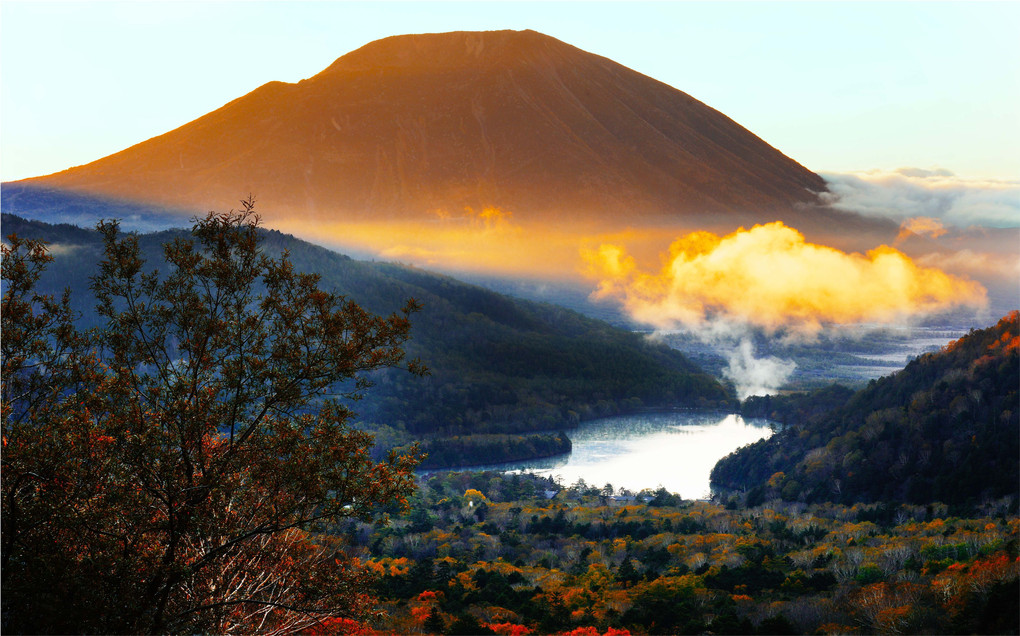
(498, 365)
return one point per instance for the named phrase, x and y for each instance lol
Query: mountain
(498, 365)
(946, 428)
(411, 125)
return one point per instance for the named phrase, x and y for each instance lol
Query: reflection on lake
(675, 450)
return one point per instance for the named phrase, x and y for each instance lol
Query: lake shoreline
(645, 410)
(672, 448)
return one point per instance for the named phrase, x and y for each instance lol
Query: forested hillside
(498, 365)
(946, 428)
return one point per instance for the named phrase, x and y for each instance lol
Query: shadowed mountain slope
(412, 124)
(946, 428)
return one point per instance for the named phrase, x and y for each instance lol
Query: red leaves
(592, 631)
(960, 580)
(508, 629)
(339, 627)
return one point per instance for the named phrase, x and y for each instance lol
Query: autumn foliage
(577, 565)
(168, 471)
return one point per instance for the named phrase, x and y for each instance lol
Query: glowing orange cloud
(490, 218)
(489, 241)
(920, 225)
(770, 277)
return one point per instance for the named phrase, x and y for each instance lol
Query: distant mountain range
(417, 125)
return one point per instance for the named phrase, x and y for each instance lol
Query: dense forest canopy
(491, 553)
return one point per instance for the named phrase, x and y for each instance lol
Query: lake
(676, 450)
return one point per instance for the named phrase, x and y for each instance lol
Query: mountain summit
(412, 125)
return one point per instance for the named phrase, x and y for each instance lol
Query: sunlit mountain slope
(423, 126)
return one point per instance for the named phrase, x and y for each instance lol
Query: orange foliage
(375, 567)
(429, 596)
(834, 628)
(420, 614)
(575, 597)
(884, 607)
(400, 566)
(892, 619)
(1007, 343)
(956, 585)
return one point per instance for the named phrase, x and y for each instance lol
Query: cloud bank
(937, 194)
(770, 277)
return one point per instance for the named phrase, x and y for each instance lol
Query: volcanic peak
(452, 51)
(411, 124)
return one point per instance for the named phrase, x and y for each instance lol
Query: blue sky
(839, 87)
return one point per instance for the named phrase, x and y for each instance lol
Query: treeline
(498, 365)
(946, 428)
(484, 553)
(796, 407)
(468, 450)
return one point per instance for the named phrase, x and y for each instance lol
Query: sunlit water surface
(675, 450)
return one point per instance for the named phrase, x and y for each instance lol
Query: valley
(796, 540)
(498, 366)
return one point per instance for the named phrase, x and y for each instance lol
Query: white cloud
(919, 192)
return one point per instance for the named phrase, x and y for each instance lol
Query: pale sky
(839, 87)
